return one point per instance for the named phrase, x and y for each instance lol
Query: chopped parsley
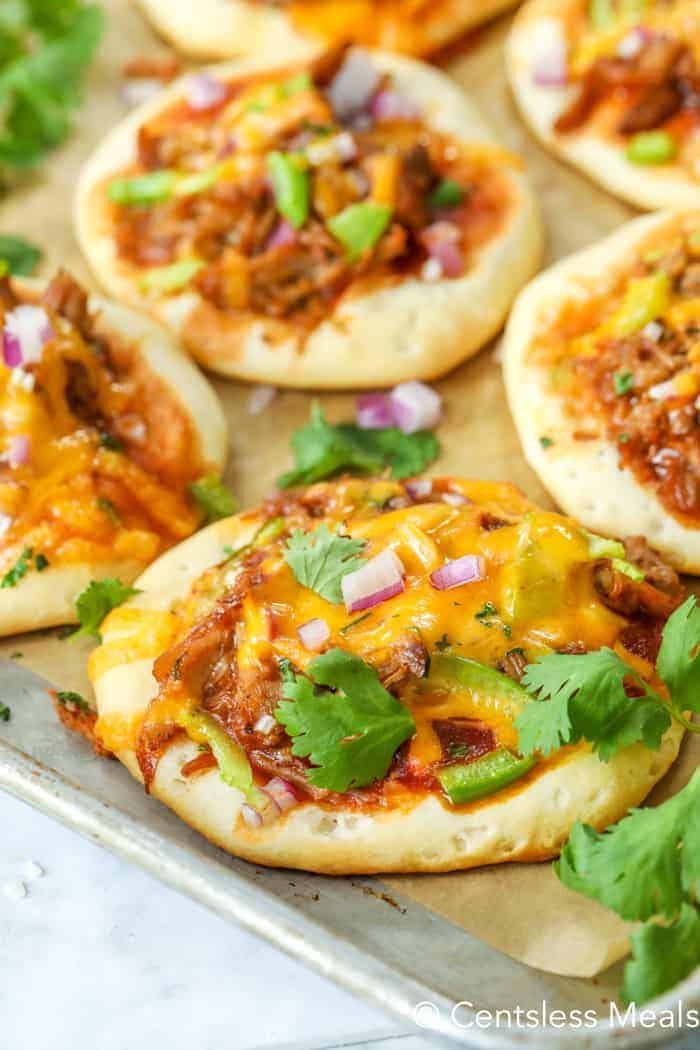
(457, 750)
(111, 442)
(109, 510)
(70, 699)
(443, 644)
(322, 450)
(98, 599)
(343, 720)
(546, 442)
(41, 562)
(19, 570)
(5, 712)
(487, 609)
(320, 559)
(623, 383)
(213, 498)
(354, 623)
(623, 438)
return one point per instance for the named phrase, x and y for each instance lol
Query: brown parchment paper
(520, 909)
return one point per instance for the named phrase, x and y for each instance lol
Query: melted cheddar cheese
(94, 483)
(538, 594)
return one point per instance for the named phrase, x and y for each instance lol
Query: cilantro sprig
(17, 256)
(322, 450)
(350, 729)
(45, 47)
(583, 697)
(98, 599)
(320, 559)
(646, 867)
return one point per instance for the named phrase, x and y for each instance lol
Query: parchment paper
(520, 909)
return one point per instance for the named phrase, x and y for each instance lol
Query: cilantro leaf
(583, 696)
(662, 956)
(678, 662)
(98, 599)
(20, 256)
(320, 559)
(44, 51)
(212, 496)
(646, 865)
(5, 712)
(350, 735)
(322, 450)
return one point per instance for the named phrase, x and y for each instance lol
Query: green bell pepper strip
(466, 781)
(469, 781)
(265, 534)
(447, 194)
(652, 147)
(171, 278)
(234, 767)
(602, 546)
(152, 188)
(290, 183)
(601, 13)
(454, 672)
(360, 226)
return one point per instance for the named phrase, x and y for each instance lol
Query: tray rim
(280, 924)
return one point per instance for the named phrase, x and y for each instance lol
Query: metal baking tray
(388, 950)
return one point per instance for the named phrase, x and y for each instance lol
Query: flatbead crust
(47, 599)
(584, 477)
(529, 822)
(647, 187)
(414, 329)
(215, 29)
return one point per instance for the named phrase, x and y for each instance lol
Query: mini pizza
(281, 28)
(105, 426)
(602, 369)
(343, 224)
(614, 87)
(336, 681)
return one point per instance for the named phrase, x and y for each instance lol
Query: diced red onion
(26, 332)
(633, 42)
(455, 499)
(354, 85)
(468, 569)
(137, 90)
(283, 233)
(261, 396)
(314, 633)
(416, 406)
(251, 816)
(550, 65)
(282, 792)
(5, 522)
(374, 411)
(653, 331)
(660, 391)
(378, 580)
(205, 91)
(264, 724)
(442, 242)
(390, 105)
(18, 452)
(419, 488)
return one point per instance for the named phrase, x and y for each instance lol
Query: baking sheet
(537, 921)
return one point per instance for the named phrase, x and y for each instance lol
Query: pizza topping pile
(329, 654)
(636, 70)
(274, 196)
(95, 455)
(639, 356)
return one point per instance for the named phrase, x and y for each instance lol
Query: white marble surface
(100, 956)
